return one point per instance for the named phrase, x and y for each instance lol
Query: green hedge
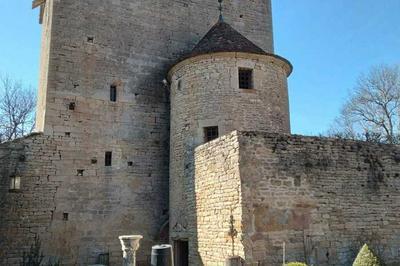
(366, 258)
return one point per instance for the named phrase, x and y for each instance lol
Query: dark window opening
(80, 172)
(210, 133)
(179, 85)
(90, 39)
(113, 93)
(103, 259)
(22, 158)
(67, 134)
(94, 161)
(65, 216)
(15, 183)
(108, 158)
(245, 78)
(130, 163)
(71, 106)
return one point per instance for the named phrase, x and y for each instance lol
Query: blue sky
(329, 43)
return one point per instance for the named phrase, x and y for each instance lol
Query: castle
(155, 118)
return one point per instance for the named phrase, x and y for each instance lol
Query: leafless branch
(17, 107)
(372, 112)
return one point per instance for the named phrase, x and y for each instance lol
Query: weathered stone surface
(243, 194)
(205, 92)
(324, 197)
(87, 46)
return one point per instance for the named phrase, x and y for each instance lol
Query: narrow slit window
(179, 85)
(245, 78)
(210, 133)
(15, 183)
(65, 216)
(113, 93)
(108, 158)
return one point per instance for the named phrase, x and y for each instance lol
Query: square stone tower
(101, 95)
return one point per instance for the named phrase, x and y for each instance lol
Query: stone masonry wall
(29, 211)
(324, 197)
(215, 203)
(93, 45)
(88, 46)
(101, 202)
(205, 92)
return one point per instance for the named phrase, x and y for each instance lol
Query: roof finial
(221, 18)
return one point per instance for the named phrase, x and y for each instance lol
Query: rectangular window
(15, 183)
(245, 78)
(71, 106)
(104, 259)
(80, 172)
(210, 133)
(108, 158)
(113, 93)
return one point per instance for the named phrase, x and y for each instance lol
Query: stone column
(130, 244)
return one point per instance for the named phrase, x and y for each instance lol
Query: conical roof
(223, 38)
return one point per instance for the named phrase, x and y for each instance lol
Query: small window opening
(80, 172)
(103, 259)
(65, 216)
(90, 39)
(108, 158)
(130, 163)
(245, 78)
(113, 93)
(210, 133)
(15, 183)
(22, 158)
(71, 106)
(68, 134)
(94, 160)
(179, 85)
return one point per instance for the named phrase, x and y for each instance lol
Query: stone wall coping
(294, 137)
(31, 135)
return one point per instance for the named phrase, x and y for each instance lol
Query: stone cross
(130, 244)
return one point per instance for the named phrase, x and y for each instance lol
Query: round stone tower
(226, 83)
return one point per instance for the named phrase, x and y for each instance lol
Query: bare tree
(372, 112)
(17, 107)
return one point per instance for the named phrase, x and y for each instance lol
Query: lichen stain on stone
(268, 219)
